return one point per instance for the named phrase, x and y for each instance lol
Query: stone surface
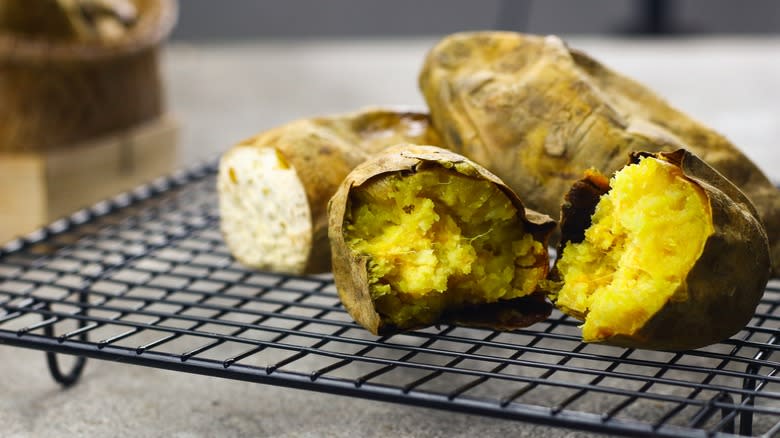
(225, 93)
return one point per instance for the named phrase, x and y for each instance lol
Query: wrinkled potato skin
(725, 284)
(538, 114)
(350, 270)
(324, 150)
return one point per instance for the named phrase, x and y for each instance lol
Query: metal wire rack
(145, 279)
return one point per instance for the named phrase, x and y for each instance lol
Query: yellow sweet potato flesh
(437, 241)
(647, 233)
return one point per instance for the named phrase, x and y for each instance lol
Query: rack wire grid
(145, 279)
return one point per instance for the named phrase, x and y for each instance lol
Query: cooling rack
(145, 279)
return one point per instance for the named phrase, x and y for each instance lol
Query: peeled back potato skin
(539, 114)
(274, 213)
(413, 246)
(718, 290)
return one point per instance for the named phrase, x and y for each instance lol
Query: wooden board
(38, 188)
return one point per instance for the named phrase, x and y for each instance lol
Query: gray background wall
(246, 19)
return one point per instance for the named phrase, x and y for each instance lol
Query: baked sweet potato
(274, 188)
(667, 254)
(423, 236)
(538, 114)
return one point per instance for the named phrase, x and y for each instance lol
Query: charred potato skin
(538, 114)
(350, 269)
(323, 150)
(725, 284)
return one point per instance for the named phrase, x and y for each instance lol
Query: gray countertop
(223, 93)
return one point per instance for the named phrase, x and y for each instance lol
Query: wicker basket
(55, 94)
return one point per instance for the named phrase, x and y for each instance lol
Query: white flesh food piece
(265, 216)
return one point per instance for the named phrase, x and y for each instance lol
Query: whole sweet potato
(538, 114)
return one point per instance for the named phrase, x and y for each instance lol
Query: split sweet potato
(667, 254)
(423, 236)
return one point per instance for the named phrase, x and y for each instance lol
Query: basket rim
(148, 33)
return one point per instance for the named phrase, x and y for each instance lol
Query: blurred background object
(70, 79)
(82, 113)
(68, 20)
